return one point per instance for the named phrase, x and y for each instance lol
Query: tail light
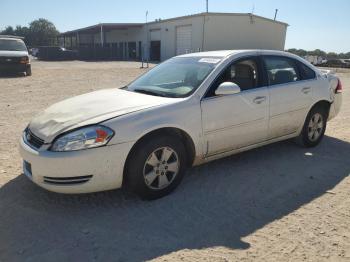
(339, 87)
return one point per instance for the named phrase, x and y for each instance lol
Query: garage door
(183, 39)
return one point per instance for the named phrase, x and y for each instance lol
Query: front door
(155, 50)
(132, 50)
(238, 120)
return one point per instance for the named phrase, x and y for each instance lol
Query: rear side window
(306, 72)
(281, 70)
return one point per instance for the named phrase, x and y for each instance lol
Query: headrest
(283, 76)
(243, 71)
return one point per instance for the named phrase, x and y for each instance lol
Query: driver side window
(243, 72)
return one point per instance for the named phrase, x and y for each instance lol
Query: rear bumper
(13, 68)
(335, 106)
(75, 172)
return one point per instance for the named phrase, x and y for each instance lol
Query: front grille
(32, 139)
(67, 180)
(9, 60)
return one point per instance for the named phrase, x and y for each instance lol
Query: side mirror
(227, 88)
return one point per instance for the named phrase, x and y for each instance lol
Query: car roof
(229, 53)
(8, 37)
(221, 53)
(11, 38)
(225, 53)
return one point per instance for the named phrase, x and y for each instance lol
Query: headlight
(87, 137)
(24, 60)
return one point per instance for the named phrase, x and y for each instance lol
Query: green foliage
(318, 52)
(40, 32)
(8, 31)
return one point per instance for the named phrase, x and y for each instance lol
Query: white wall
(221, 31)
(242, 32)
(168, 34)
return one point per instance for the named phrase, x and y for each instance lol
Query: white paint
(183, 39)
(218, 126)
(209, 60)
(155, 35)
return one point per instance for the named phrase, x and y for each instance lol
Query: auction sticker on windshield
(209, 60)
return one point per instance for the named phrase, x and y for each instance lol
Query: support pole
(145, 46)
(102, 36)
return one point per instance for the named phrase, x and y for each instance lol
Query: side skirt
(201, 160)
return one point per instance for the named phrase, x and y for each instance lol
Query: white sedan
(186, 111)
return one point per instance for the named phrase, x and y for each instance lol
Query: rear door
(237, 120)
(290, 95)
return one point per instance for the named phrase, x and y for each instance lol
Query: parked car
(340, 63)
(186, 111)
(56, 53)
(34, 51)
(14, 56)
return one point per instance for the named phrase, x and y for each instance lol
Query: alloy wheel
(161, 168)
(315, 127)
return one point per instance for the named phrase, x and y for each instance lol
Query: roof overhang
(124, 26)
(105, 27)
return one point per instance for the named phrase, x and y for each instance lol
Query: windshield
(176, 77)
(12, 45)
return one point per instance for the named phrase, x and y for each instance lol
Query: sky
(313, 24)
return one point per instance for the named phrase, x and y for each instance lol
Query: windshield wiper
(148, 92)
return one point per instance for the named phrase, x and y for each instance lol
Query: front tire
(29, 71)
(314, 127)
(156, 166)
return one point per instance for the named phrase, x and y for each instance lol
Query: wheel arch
(322, 103)
(185, 138)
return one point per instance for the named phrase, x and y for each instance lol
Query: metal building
(162, 39)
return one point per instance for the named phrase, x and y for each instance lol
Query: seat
(283, 76)
(191, 79)
(244, 76)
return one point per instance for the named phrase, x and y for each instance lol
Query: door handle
(306, 90)
(259, 99)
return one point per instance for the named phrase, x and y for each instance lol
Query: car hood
(90, 108)
(4, 53)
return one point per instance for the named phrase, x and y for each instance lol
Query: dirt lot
(275, 203)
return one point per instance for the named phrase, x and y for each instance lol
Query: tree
(299, 52)
(8, 31)
(42, 32)
(344, 55)
(332, 55)
(318, 52)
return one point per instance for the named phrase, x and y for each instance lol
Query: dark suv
(14, 57)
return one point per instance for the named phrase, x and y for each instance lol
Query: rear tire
(156, 167)
(314, 127)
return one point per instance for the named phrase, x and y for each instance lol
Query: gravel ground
(276, 203)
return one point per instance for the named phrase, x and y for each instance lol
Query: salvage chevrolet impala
(186, 111)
